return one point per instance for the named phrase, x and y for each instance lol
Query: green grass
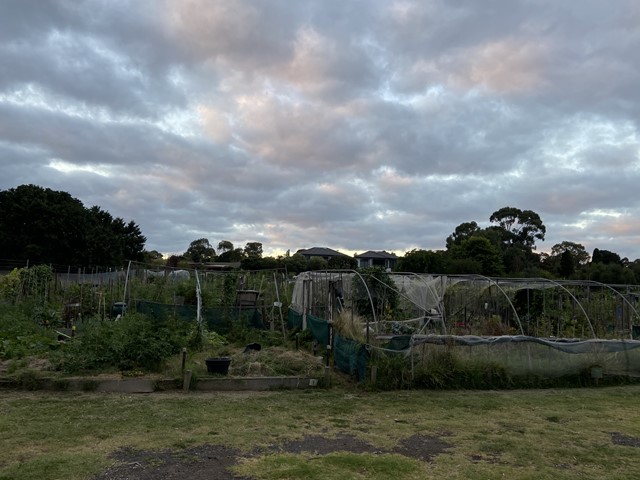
(521, 434)
(334, 466)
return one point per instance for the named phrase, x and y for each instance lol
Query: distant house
(382, 259)
(322, 252)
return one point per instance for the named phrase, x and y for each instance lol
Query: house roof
(382, 254)
(321, 252)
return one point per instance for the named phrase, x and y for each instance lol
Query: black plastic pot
(218, 365)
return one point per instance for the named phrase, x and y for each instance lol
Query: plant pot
(218, 365)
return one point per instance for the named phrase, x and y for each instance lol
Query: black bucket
(218, 365)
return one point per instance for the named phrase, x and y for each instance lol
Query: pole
(126, 285)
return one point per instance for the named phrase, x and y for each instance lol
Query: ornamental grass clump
(351, 325)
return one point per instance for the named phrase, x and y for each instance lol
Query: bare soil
(625, 440)
(213, 461)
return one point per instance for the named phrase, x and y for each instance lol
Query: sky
(355, 125)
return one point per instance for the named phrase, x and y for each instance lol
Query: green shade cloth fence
(349, 356)
(217, 319)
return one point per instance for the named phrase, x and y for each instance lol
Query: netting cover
(423, 291)
(350, 357)
(523, 355)
(574, 346)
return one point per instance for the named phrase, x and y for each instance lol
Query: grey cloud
(356, 125)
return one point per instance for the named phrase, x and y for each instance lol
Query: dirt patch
(620, 439)
(422, 447)
(213, 461)
(198, 463)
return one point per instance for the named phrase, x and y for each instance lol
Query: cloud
(356, 125)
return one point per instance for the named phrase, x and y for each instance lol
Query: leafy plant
(20, 336)
(128, 344)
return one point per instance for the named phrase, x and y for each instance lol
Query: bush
(132, 343)
(21, 337)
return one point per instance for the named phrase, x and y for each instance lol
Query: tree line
(46, 226)
(508, 248)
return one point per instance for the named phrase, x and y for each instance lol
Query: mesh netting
(218, 319)
(520, 327)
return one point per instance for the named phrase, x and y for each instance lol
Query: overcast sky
(356, 125)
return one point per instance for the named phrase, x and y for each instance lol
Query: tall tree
(524, 227)
(567, 264)
(200, 251)
(225, 246)
(41, 225)
(606, 257)
(228, 253)
(481, 250)
(253, 249)
(46, 226)
(462, 232)
(577, 251)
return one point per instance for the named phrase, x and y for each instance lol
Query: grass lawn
(339, 433)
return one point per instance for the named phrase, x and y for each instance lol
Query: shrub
(131, 343)
(21, 337)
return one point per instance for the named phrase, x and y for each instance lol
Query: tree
(421, 261)
(153, 256)
(481, 250)
(133, 242)
(174, 260)
(317, 263)
(200, 251)
(259, 263)
(46, 226)
(567, 264)
(462, 232)
(577, 251)
(295, 263)
(253, 249)
(225, 246)
(228, 253)
(566, 259)
(99, 237)
(524, 227)
(342, 262)
(606, 257)
(41, 225)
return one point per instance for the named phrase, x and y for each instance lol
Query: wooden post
(186, 381)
